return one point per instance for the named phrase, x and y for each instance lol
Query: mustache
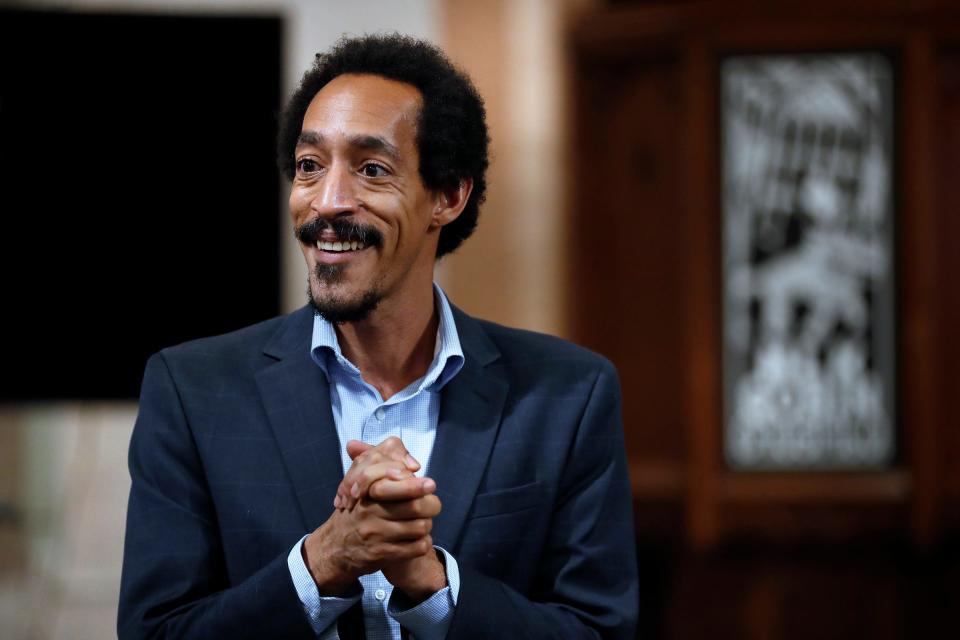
(346, 229)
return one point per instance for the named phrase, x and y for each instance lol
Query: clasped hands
(382, 519)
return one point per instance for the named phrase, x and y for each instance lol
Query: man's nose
(336, 194)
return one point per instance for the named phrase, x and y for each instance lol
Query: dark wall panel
(138, 191)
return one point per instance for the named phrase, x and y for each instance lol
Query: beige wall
(70, 492)
(513, 269)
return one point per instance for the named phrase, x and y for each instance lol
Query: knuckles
(366, 531)
(425, 544)
(363, 462)
(390, 450)
(393, 444)
(424, 526)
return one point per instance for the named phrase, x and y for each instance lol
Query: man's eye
(306, 165)
(374, 170)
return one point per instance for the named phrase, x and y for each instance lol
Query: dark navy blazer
(235, 456)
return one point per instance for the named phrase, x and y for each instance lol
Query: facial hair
(335, 310)
(332, 309)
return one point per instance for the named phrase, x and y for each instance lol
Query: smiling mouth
(340, 247)
(338, 237)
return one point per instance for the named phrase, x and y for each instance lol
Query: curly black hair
(451, 134)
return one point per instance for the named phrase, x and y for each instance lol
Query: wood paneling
(626, 236)
(947, 291)
(647, 191)
(764, 555)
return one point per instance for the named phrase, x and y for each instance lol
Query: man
(278, 471)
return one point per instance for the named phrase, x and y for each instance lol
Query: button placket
(373, 430)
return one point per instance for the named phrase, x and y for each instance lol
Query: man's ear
(450, 203)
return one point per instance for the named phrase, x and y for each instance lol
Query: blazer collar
(296, 396)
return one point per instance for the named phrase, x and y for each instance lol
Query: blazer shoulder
(237, 350)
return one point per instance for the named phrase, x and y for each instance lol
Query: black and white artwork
(808, 261)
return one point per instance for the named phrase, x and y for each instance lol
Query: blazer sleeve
(587, 573)
(174, 582)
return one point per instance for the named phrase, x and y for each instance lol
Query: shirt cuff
(321, 611)
(430, 620)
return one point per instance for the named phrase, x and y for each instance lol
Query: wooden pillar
(918, 265)
(702, 294)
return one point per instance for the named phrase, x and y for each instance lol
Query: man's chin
(336, 310)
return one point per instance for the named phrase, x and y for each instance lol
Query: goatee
(337, 311)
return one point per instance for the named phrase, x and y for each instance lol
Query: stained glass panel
(808, 261)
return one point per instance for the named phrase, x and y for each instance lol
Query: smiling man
(379, 464)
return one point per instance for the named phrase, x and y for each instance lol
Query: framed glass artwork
(808, 278)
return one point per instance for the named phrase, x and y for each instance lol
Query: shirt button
(380, 413)
(379, 594)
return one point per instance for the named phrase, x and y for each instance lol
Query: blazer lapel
(296, 396)
(470, 409)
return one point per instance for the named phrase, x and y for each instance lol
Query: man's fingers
(405, 550)
(388, 531)
(405, 489)
(392, 448)
(428, 506)
(355, 484)
(349, 489)
(391, 470)
(395, 449)
(356, 447)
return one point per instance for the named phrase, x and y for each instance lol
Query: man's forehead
(357, 105)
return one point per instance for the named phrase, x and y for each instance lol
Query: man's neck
(395, 345)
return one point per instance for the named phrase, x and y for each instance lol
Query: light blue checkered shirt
(359, 413)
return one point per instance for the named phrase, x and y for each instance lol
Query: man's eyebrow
(309, 138)
(363, 141)
(375, 143)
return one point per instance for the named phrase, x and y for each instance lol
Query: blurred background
(749, 208)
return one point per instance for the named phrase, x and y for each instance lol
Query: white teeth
(339, 246)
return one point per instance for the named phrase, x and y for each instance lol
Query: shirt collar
(447, 353)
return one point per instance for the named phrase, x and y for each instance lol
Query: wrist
(331, 580)
(419, 578)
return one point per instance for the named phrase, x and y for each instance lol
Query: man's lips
(337, 252)
(338, 235)
(338, 246)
